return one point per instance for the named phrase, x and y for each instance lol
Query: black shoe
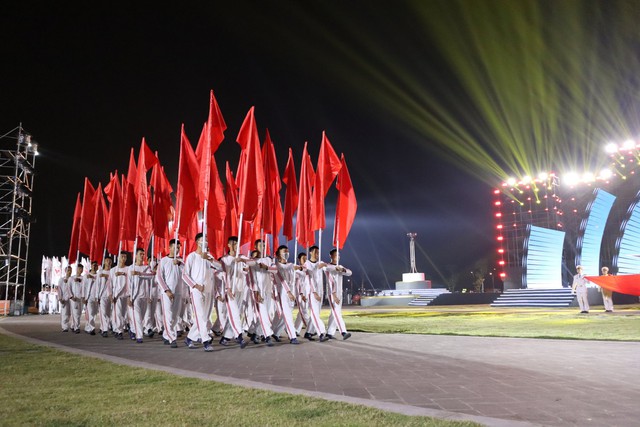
(331, 337)
(224, 341)
(93, 332)
(105, 335)
(608, 311)
(77, 331)
(179, 333)
(119, 336)
(584, 312)
(276, 338)
(65, 330)
(150, 333)
(268, 341)
(241, 341)
(174, 344)
(294, 341)
(346, 335)
(308, 336)
(165, 341)
(323, 338)
(217, 333)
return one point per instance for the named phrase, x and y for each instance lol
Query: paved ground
(494, 381)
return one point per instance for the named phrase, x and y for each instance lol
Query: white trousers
(119, 315)
(199, 304)
(105, 313)
(90, 313)
(303, 314)
(76, 312)
(65, 314)
(315, 324)
(607, 299)
(283, 318)
(170, 316)
(583, 300)
(335, 318)
(232, 324)
(137, 313)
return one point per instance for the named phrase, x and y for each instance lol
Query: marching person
(169, 276)
(64, 291)
(105, 295)
(284, 274)
(198, 275)
(579, 287)
(90, 300)
(77, 296)
(259, 288)
(53, 299)
(334, 273)
(140, 276)
(607, 294)
(119, 284)
(43, 300)
(302, 290)
(314, 267)
(232, 281)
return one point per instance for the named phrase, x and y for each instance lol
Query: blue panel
(591, 232)
(628, 245)
(542, 259)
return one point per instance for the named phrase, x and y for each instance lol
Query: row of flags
(133, 211)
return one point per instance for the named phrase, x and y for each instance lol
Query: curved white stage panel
(628, 244)
(542, 260)
(592, 230)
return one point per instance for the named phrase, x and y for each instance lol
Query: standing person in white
(302, 290)
(314, 277)
(105, 295)
(232, 281)
(579, 287)
(119, 284)
(140, 276)
(334, 273)
(607, 295)
(91, 299)
(43, 300)
(284, 275)
(169, 276)
(259, 286)
(53, 299)
(77, 296)
(198, 275)
(64, 294)
(150, 326)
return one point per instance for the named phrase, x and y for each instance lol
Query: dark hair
(281, 247)
(254, 253)
(301, 254)
(312, 248)
(138, 250)
(124, 253)
(80, 266)
(232, 239)
(257, 241)
(173, 242)
(198, 236)
(332, 251)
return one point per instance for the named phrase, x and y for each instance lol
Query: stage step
(425, 297)
(535, 298)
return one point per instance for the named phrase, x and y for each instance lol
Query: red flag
(291, 196)
(114, 195)
(326, 170)
(346, 206)
(86, 218)
(203, 151)
(75, 232)
(162, 205)
(215, 124)
(144, 226)
(145, 153)
(129, 207)
(216, 211)
(231, 196)
(251, 174)
(625, 284)
(187, 191)
(271, 206)
(132, 173)
(98, 234)
(304, 233)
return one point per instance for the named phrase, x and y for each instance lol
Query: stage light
(501, 262)
(503, 275)
(571, 178)
(543, 176)
(498, 215)
(629, 144)
(588, 177)
(500, 251)
(605, 173)
(500, 238)
(496, 191)
(499, 226)
(511, 181)
(526, 179)
(497, 203)
(611, 147)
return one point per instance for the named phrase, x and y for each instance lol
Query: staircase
(424, 297)
(561, 297)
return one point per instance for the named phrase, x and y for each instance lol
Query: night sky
(89, 81)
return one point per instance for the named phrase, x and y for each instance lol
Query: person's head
(604, 270)
(139, 256)
(94, 266)
(333, 254)
(68, 270)
(174, 247)
(107, 262)
(302, 258)
(259, 245)
(79, 269)
(232, 243)
(255, 254)
(313, 253)
(122, 258)
(579, 269)
(283, 252)
(199, 241)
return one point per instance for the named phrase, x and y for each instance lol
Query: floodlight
(511, 181)
(611, 147)
(571, 178)
(605, 174)
(629, 144)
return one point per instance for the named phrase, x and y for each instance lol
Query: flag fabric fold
(290, 197)
(327, 169)
(346, 206)
(86, 218)
(187, 189)
(625, 284)
(98, 233)
(75, 231)
(250, 177)
(304, 232)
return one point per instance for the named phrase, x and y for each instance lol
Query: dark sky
(88, 84)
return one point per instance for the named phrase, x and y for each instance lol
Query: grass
(43, 386)
(623, 325)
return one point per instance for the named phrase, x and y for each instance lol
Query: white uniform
(53, 300)
(120, 289)
(314, 278)
(169, 276)
(233, 281)
(199, 271)
(43, 301)
(284, 276)
(139, 288)
(92, 305)
(302, 289)
(580, 287)
(259, 280)
(334, 285)
(64, 293)
(607, 297)
(77, 295)
(104, 296)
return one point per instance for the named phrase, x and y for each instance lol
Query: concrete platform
(494, 381)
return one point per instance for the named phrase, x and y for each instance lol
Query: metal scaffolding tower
(17, 171)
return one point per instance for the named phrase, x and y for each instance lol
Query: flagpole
(205, 248)
(239, 233)
(319, 244)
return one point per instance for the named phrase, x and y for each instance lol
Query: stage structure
(547, 225)
(18, 153)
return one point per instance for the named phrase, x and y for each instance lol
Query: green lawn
(623, 325)
(43, 386)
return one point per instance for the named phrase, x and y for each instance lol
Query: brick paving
(493, 381)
